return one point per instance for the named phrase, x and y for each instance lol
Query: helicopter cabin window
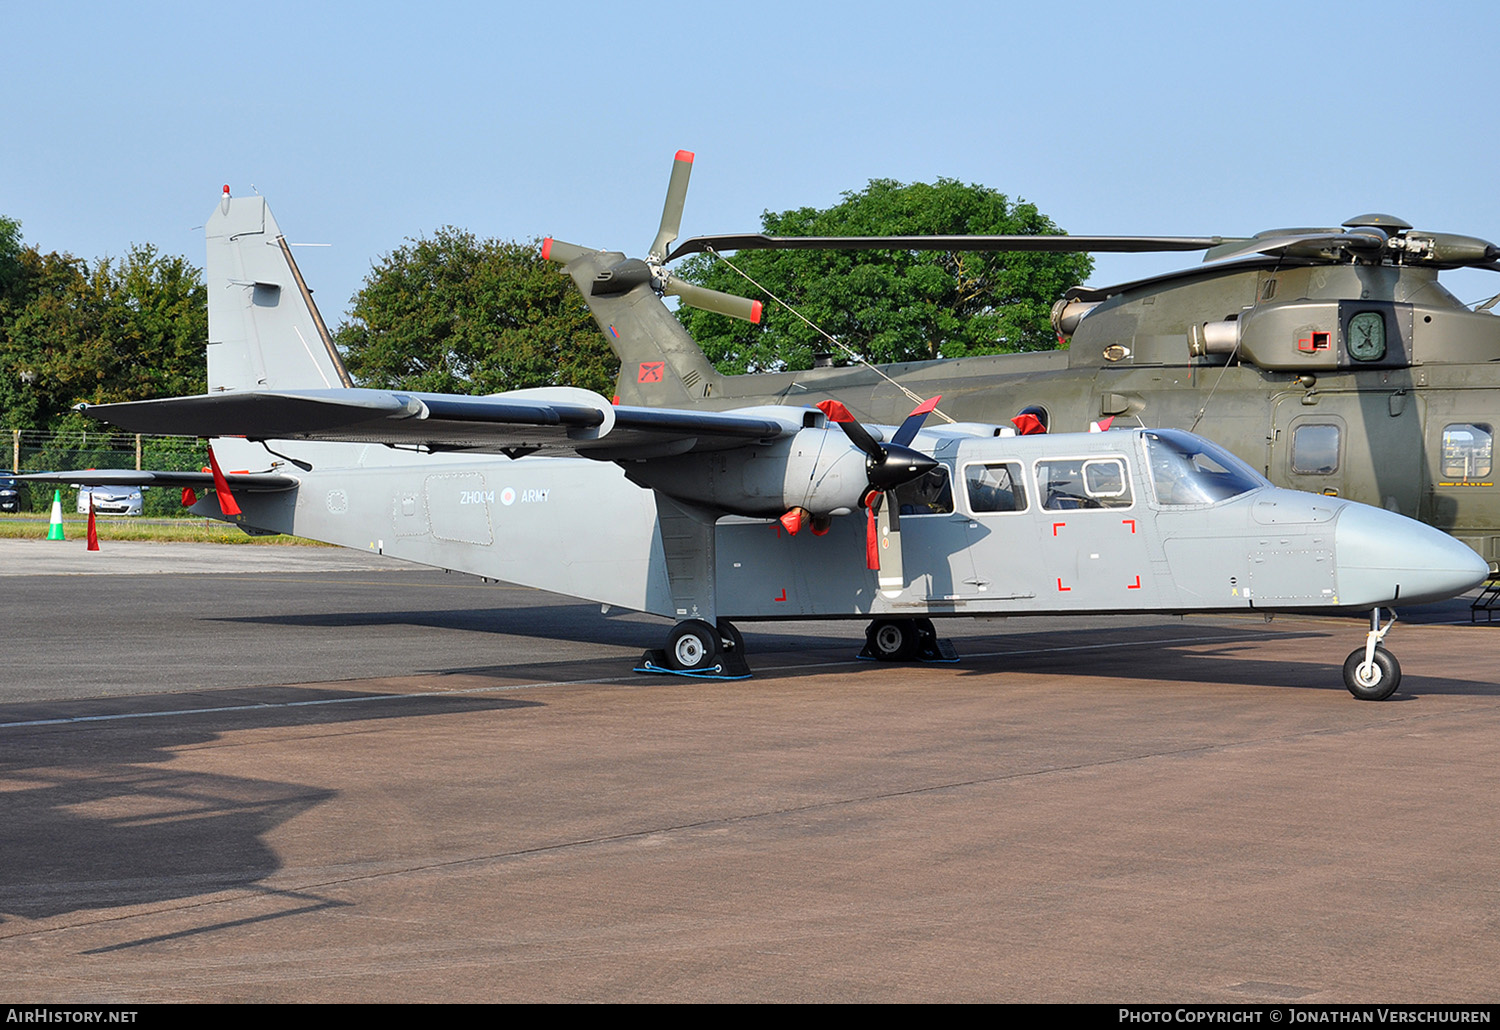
(1315, 449)
(930, 494)
(995, 487)
(1468, 450)
(1074, 483)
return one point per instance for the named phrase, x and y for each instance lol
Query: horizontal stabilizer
(251, 482)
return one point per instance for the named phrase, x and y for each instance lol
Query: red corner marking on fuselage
(782, 597)
(1136, 585)
(1060, 586)
(1056, 526)
(1128, 522)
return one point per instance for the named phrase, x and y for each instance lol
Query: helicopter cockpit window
(995, 487)
(1315, 449)
(1468, 451)
(930, 494)
(1083, 483)
(1187, 470)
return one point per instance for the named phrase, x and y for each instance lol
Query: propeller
(627, 274)
(887, 466)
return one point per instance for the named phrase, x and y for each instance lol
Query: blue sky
(364, 124)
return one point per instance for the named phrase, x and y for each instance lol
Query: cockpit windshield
(1186, 469)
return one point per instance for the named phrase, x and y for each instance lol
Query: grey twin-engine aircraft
(769, 512)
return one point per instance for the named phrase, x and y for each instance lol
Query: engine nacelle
(816, 469)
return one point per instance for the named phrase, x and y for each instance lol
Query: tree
(889, 305)
(114, 331)
(455, 314)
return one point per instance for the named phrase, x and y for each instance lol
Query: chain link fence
(35, 451)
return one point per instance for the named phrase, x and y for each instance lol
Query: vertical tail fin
(660, 364)
(264, 331)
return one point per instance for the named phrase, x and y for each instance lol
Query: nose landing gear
(1371, 672)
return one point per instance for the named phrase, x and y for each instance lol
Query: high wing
(558, 420)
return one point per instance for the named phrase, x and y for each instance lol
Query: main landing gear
(906, 640)
(695, 648)
(1371, 672)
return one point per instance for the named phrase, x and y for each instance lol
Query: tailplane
(264, 331)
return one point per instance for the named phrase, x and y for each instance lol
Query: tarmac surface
(302, 774)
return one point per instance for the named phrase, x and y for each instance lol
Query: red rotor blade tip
(547, 248)
(685, 155)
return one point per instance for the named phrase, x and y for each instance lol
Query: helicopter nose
(1385, 558)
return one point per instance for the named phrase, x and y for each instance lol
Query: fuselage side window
(1073, 483)
(997, 486)
(1468, 451)
(1315, 449)
(931, 494)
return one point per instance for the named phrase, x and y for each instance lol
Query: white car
(110, 500)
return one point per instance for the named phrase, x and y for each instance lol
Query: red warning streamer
(227, 503)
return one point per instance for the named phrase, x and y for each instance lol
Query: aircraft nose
(1385, 558)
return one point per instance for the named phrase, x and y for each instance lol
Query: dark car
(10, 494)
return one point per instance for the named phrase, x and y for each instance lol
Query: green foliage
(456, 314)
(117, 330)
(890, 306)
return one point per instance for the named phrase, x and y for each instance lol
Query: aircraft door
(1002, 563)
(1365, 446)
(1092, 544)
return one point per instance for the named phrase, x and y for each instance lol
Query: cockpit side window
(995, 487)
(931, 494)
(1186, 470)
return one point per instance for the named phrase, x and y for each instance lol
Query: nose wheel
(1371, 672)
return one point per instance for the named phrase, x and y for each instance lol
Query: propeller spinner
(887, 466)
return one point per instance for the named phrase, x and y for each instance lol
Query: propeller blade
(671, 212)
(1047, 244)
(892, 578)
(857, 434)
(562, 253)
(913, 423)
(712, 300)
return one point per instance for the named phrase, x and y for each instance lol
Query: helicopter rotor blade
(703, 298)
(671, 212)
(1047, 244)
(563, 253)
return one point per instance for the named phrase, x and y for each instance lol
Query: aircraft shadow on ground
(1103, 650)
(96, 817)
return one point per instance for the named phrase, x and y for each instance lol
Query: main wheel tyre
(894, 640)
(693, 644)
(1380, 682)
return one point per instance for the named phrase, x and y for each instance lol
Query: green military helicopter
(1330, 358)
